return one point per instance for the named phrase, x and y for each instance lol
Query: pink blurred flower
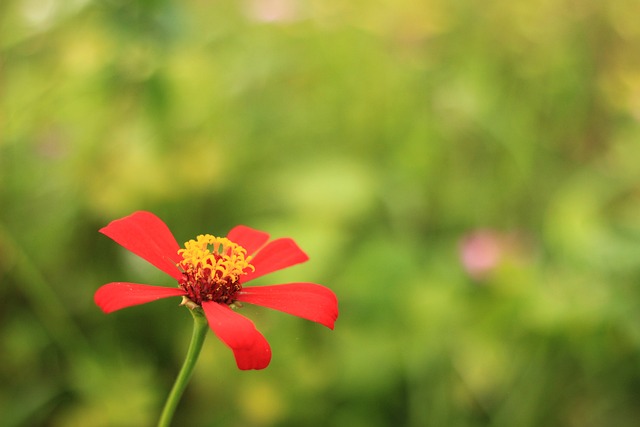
(273, 10)
(481, 252)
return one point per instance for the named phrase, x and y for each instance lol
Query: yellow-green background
(378, 134)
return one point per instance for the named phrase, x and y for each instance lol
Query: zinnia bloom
(211, 273)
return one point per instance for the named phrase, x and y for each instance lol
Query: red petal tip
(307, 300)
(147, 236)
(250, 348)
(119, 295)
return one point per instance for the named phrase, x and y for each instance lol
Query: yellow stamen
(214, 259)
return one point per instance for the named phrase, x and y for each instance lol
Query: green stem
(200, 327)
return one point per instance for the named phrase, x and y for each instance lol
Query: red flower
(211, 272)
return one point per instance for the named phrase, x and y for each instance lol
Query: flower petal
(276, 255)
(307, 300)
(248, 238)
(250, 348)
(117, 295)
(147, 236)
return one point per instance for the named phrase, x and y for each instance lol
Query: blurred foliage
(463, 175)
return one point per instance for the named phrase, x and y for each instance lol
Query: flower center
(211, 267)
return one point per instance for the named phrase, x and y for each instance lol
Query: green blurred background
(464, 175)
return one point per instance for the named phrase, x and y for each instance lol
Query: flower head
(211, 272)
(212, 267)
